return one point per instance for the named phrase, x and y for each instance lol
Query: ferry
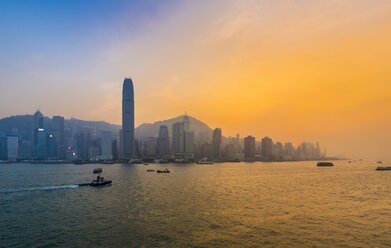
(325, 164)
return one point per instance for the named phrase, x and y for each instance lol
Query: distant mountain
(152, 129)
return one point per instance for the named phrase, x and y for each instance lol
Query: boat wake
(39, 188)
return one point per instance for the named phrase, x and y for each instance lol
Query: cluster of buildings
(58, 141)
(185, 145)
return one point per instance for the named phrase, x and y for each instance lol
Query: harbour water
(289, 204)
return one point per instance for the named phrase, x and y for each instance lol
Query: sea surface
(288, 204)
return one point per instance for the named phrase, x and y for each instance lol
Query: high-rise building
(3, 148)
(163, 142)
(267, 147)
(150, 147)
(12, 147)
(38, 125)
(80, 146)
(41, 148)
(52, 147)
(178, 137)
(59, 135)
(106, 142)
(128, 119)
(189, 142)
(216, 143)
(249, 148)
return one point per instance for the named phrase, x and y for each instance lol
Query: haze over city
(295, 71)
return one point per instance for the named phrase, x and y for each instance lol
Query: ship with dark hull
(325, 164)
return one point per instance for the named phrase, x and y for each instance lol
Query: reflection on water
(286, 204)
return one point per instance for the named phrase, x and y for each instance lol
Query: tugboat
(99, 181)
(163, 171)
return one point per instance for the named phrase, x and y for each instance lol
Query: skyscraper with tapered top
(127, 119)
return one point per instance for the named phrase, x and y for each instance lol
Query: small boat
(383, 168)
(99, 181)
(97, 170)
(379, 162)
(108, 161)
(150, 170)
(78, 161)
(325, 164)
(146, 164)
(163, 171)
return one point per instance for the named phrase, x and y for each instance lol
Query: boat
(99, 181)
(383, 168)
(97, 170)
(163, 171)
(78, 161)
(325, 164)
(205, 162)
(379, 162)
(150, 170)
(108, 161)
(146, 164)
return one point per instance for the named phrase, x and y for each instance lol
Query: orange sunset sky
(292, 70)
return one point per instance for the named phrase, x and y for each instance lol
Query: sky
(294, 70)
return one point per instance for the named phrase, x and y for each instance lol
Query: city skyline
(293, 75)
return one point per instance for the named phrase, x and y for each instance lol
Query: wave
(40, 188)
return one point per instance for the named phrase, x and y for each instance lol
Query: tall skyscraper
(249, 148)
(216, 143)
(127, 119)
(59, 135)
(178, 137)
(163, 143)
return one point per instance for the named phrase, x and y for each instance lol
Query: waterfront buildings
(127, 119)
